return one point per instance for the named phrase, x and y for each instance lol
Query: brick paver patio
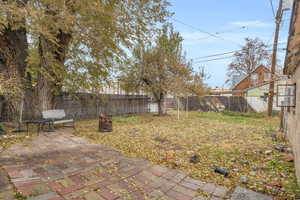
(57, 166)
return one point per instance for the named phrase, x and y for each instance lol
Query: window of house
(267, 76)
(286, 95)
(254, 78)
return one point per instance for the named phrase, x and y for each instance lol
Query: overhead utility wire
(235, 29)
(229, 52)
(272, 7)
(203, 31)
(208, 33)
(226, 31)
(215, 35)
(219, 54)
(200, 61)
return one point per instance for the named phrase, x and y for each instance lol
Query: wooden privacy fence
(87, 106)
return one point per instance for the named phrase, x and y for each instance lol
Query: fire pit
(105, 123)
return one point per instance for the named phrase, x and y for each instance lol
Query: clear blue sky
(228, 16)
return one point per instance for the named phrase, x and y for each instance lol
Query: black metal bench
(40, 124)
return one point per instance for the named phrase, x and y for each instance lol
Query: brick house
(259, 76)
(291, 120)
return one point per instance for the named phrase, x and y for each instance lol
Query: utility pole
(274, 58)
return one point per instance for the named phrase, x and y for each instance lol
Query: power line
(200, 61)
(191, 26)
(272, 7)
(225, 31)
(219, 54)
(230, 52)
(203, 31)
(215, 35)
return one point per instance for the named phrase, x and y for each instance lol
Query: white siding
(259, 105)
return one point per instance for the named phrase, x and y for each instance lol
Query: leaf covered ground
(10, 137)
(241, 143)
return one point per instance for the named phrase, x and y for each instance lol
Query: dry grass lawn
(11, 138)
(241, 143)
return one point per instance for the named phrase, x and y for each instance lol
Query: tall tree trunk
(52, 57)
(44, 94)
(13, 54)
(46, 77)
(160, 103)
(160, 108)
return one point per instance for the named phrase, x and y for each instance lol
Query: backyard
(244, 144)
(247, 145)
(67, 66)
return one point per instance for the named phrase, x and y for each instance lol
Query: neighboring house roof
(236, 79)
(255, 70)
(292, 59)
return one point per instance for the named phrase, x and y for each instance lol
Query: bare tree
(253, 54)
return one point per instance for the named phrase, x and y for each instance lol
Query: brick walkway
(57, 166)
